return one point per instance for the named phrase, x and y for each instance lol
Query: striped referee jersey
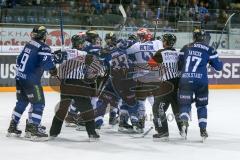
(75, 68)
(169, 57)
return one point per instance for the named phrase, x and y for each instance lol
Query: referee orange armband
(152, 63)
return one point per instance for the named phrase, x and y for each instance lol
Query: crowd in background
(138, 11)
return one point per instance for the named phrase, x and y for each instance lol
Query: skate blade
(204, 139)
(13, 135)
(94, 139)
(138, 131)
(70, 125)
(52, 138)
(184, 136)
(38, 139)
(80, 128)
(123, 130)
(163, 139)
(183, 133)
(27, 135)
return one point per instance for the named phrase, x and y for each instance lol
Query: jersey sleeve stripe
(213, 56)
(44, 54)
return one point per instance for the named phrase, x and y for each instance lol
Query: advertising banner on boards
(19, 37)
(228, 76)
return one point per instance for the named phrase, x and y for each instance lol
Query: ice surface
(223, 142)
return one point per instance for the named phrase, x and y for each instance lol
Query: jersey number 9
(23, 62)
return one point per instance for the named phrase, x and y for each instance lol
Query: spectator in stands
(97, 5)
(167, 27)
(10, 3)
(203, 14)
(221, 20)
(193, 9)
(173, 11)
(86, 7)
(129, 11)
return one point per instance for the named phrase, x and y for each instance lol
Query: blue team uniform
(193, 61)
(34, 59)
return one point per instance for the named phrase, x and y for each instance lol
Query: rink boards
(228, 78)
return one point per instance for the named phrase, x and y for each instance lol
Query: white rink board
(223, 142)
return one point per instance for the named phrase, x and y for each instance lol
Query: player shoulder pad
(35, 43)
(185, 47)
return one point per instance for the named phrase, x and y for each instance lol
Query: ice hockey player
(168, 57)
(93, 46)
(83, 73)
(194, 59)
(35, 58)
(111, 47)
(139, 53)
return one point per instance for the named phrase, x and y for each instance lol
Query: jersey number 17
(192, 59)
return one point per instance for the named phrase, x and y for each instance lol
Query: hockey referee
(168, 57)
(77, 76)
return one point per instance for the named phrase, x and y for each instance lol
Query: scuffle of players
(118, 75)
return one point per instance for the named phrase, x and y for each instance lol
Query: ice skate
(204, 134)
(137, 128)
(94, 137)
(27, 130)
(113, 121)
(36, 133)
(161, 137)
(80, 127)
(124, 127)
(71, 120)
(13, 131)
(184, 130)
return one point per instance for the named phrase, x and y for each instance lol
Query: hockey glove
(53, 72)
(59, 56)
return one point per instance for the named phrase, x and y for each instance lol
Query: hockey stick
(157, 18)
(229, 18)
(144, 134)
(61, 29)
(124, 15)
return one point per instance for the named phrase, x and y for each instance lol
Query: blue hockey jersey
(92, 49)
(193, 61)
(34, 59)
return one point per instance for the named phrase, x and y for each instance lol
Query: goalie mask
(39, 33)
(144, 35)
(78, 40)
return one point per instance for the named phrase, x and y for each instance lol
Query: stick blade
(121, 9)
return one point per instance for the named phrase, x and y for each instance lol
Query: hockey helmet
(199, 35)
(91, 36)
(144, 34)
(132, 37)
(78, 39)
(170, 39)
(39, 33)
(110, 38)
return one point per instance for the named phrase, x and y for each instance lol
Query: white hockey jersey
(142, 52)
(139, 54)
